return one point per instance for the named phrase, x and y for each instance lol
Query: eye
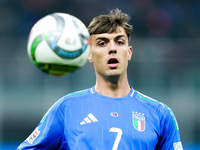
(101, 43)
(120, 42)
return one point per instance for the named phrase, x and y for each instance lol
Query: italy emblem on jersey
(138, 121)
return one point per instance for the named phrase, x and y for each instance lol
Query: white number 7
(118, 138)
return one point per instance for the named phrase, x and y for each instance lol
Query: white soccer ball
(59, 44)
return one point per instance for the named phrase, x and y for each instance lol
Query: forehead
(118, 32)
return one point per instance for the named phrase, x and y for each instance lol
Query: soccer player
(111, 115)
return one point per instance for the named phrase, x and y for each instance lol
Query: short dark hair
(109, 23)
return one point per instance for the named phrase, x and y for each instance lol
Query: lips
(113, 62)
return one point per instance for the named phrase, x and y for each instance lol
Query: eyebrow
(107, 39)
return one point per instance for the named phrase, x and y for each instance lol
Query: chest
(120, 124)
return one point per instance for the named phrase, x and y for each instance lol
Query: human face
(110, 53)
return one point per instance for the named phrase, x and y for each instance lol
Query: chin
(114, 72)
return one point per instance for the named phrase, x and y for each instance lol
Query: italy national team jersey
(86, 120)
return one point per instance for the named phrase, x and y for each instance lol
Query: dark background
(165, 63)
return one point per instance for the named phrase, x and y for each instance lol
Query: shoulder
(71, 97)
(162, 110)
(76, 95)
(153, 104)
(64, 102)
(149, 101)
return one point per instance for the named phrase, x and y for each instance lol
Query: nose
(113, 49)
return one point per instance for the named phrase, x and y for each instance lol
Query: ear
(130, 51)
(90, 58)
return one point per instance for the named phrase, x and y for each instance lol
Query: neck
(114, 87)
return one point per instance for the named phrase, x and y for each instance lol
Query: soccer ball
(58, 44)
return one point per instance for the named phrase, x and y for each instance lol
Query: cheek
(126, 55)
(96, 58)
(98, 55)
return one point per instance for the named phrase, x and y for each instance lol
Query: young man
(111, 115)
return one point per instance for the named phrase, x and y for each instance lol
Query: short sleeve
(49, 132)
(169, 132)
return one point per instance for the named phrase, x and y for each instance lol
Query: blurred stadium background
(165, 64)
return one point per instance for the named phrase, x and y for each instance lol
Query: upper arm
(49, 131)
(170, 134)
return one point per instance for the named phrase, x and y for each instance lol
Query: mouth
(113, 62)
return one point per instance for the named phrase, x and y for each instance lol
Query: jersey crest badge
(138, 121)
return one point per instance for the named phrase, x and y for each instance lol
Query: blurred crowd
(180, 18)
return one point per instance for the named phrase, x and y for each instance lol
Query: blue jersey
(86, 120)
